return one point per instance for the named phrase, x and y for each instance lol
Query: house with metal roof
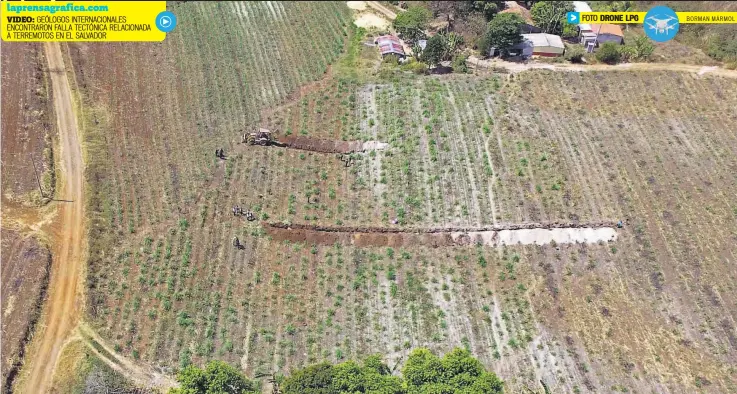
(390, 45)
(605, 33)
(544, 44)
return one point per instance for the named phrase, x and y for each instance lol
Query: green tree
(459, 64)
(641, 48)
(348, 377)
(411, 24)
(488, 8)
(608, 52)
(453, 43)
(315, 379)
(502, 33)
(457, 372)
(550, 16)
(422, 368)
(217, 378)
(574, 54)
(613, 6)
(487, 383)
(435, 50)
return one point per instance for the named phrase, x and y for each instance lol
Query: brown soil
(395, 236)
(360, 239)
(320, 145)
(25, 274)
(25, 120)
(62, 310)
(433, 230)
(384, 10)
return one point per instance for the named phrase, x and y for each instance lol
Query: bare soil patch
(320, 145)
(356, 5)
(369, 20)
(25, 275)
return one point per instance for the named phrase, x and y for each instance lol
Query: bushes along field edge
(423, 372)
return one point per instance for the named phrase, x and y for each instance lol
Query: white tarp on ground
(539, 236)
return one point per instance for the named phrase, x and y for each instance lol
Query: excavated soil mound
(435, 237)
(360, 239)
(320, 145)
(432, 230)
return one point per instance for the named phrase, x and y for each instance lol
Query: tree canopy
(411, 24)
(457, 372)
(550, 16)
(463, 9)
(608, 52)
(217, 378)
(502, 33)
(488, 8)
(435, 50)
(348, 377)
(423, 373)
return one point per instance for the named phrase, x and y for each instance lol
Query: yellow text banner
(82, 20)
(639, 17)
(707, 17)
(612, 17)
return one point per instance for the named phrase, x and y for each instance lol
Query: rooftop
(543, 39)
(607, 29)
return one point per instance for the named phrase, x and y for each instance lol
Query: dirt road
(515, 67)
(377, 6)
(138, 373)
(63, 308)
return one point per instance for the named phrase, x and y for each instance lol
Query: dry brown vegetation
(25, 275)
(653, 311)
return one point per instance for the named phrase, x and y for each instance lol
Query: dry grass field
(25, 274)
(653, 311)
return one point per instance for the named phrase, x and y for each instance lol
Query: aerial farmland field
(396, 211)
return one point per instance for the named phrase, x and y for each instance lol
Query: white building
(545, 44)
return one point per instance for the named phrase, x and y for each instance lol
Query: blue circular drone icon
(166, 21)
(661, 24)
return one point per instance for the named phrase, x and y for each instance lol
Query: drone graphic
(662, 26)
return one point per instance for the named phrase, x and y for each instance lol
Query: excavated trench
(326, 146)
(498, 235)
(319, 145)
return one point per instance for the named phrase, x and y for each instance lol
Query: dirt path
(63, 307)
(378, 7)
(514, 67)
(143, 376)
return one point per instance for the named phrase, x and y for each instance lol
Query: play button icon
(572, 17)
(166, 21)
